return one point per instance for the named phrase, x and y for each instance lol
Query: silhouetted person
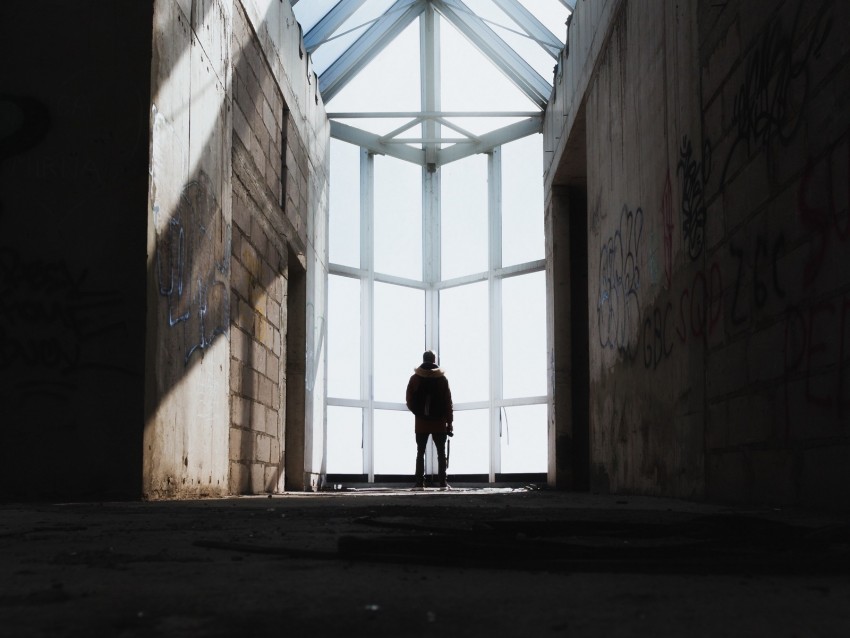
(430, 399)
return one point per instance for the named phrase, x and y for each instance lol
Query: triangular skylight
(405, 67)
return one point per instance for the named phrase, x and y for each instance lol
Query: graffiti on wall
(769, 104)
(823, 206)
(694, 313)
(193, 267)
(618, 307)
(694, 174)
(817, 336)
(757, 276)
(816, 353)
(51, 319)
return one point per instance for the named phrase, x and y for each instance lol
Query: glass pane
(395, 442)
(309, 13)
(398, 218)
(512, 34)
(552, 13)
(345, 440)
(343, 337)
(345, 204)
(399, 338)
(470, 82)
(524, 439)
(464, 217)
(464, 339)
(522, 201)
(390, 82)
(524, 335)
(470, 446)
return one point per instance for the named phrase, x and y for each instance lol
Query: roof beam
(489, 141)
(535, 29)
(427, 114)
(373, 143)
(330, 22)
(517, 70)
(368, 45)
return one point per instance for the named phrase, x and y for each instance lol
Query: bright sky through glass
(468, 82)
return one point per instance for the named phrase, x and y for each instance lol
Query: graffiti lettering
(657, 344)
(47, 318)
(618, 308)
(765, 107)
(193, 266)
(694, 177)
(810, 355)
(700, 308)
(761, 293)
(823, 207)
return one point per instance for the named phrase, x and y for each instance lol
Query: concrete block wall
(306, 206)
(261, 236)
(713, 140)
(238, 181)
(646, 384)
(776, 104)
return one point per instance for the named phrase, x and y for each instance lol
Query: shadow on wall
(221, 282)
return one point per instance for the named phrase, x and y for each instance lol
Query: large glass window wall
(449, 259)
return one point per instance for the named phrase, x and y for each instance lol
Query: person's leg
(421, 444)
(440, 444)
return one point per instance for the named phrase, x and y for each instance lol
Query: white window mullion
(367, 306)
(431, 255)
(429, 65)
(494, 224)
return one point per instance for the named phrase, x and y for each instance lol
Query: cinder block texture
(717, 154)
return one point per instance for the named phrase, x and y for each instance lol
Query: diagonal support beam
(532, 26)
(332, 21)
(373, 143)
(517, 70)
(491, 140)
(368, 45)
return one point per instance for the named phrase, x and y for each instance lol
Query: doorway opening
(296, 371)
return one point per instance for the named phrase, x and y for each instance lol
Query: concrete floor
(391, 562)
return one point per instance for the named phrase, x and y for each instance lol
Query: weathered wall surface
(776, 107)
(73, 183)
(281, 168)
(189, 237)
(715, 145)
(645, 420)
(238, 182)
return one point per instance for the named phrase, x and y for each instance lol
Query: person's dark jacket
(442, 425)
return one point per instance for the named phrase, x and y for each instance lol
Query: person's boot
(420, 473)
(441, 469)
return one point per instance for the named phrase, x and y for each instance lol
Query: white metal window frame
(431, 284)
(434, 152)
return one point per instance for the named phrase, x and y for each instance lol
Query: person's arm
(449, 410)
(409, 395)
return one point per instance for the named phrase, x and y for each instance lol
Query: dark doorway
(296, 362)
